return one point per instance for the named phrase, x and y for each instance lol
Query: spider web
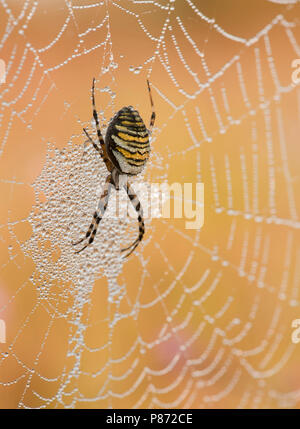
(208, 326)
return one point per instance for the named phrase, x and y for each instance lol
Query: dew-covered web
(195, 318)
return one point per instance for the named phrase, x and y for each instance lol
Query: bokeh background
(194, 318)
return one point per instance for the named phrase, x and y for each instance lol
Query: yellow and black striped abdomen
(127, 141)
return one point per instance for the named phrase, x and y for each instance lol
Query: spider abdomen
(127, 141)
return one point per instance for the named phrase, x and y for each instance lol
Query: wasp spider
(125, 151)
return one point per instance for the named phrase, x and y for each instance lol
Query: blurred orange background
(194, 318)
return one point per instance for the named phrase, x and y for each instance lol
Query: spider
(125, 151)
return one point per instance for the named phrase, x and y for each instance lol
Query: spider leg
(137, 205)
(98, 149)
(103, 153)
(102, 205)
(101, 141)
(152, 106)
(93, 143)
(132, 247)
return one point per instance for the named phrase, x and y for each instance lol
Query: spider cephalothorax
(125, 152)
